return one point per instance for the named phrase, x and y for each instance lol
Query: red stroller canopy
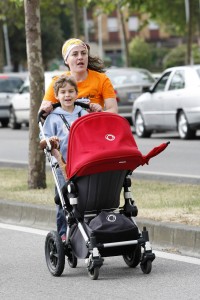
(100, 142)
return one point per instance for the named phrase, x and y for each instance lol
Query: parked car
(20, 103)
(172, 104)
(129, 83)
(9, 85)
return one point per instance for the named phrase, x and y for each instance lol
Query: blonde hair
(94, 62)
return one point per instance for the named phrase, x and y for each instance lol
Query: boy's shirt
(55, 126)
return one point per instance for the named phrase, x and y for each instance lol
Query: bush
(145, 55)
(140, 53)
(177, 56)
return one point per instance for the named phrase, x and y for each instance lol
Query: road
(24, 274)
(180, 160)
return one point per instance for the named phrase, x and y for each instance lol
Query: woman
(88, 72)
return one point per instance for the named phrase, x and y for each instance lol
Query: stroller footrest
(117, 244)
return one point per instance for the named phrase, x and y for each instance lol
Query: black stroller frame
(84, 241)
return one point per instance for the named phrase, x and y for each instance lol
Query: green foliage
(177, 56)
(140, 53)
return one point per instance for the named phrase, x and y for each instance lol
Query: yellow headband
(69, 45)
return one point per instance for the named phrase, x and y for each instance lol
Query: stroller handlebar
(42, 116)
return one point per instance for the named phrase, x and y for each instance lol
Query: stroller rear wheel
(94, 273)
(54, 253)
(132, 259)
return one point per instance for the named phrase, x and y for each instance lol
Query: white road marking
(165, 255)
(167, 174)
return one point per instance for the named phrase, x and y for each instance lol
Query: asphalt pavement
(170, 237)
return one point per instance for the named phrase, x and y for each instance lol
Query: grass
(155, 200)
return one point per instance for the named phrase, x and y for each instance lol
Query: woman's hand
(95, 107)
(46, 106)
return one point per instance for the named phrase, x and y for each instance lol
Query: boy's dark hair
(62, 81)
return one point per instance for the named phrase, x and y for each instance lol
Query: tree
(107, 7)
(173, 15)
(36, 170)
(140, 53)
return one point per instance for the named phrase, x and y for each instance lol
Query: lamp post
(7, 47)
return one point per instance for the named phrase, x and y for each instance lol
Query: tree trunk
(123, 37)
(76, 18)
(1, 47)
(189, 59)
(36, 169)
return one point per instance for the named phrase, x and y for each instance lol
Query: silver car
(129, 83)
(172, 104)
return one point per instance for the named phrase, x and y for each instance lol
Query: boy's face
(66, 96)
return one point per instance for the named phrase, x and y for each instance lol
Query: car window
(198, 72)
(178, 80)
(10, 85)
(131, 77)
(160, 86)
(25, 89)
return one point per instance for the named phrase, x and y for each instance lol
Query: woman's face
(78, 59)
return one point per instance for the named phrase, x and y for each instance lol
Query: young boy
(56, 128)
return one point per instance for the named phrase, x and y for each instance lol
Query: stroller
(102, 154)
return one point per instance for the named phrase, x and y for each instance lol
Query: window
(112, 24)
(133, 23)
(178, 81)
(160, 86)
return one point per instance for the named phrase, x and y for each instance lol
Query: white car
(129, 83)
(20, 103)
(171, 104)
(9, 86)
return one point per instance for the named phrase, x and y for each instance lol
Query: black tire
(146, 267)
(132, 259)
(184, 130)
(54, 253)
(94, 273)
(13, 121)
(72, 260)
(140, 128)
(4, 123)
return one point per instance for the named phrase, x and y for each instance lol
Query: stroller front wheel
(94, 273)
(72, 260)
(132, 259)
(146, 267)
(54, 253)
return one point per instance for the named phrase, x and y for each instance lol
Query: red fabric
(155, 151)
(100, 142)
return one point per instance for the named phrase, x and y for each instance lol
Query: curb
(182, 239)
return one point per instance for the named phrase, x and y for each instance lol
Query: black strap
(65, 121)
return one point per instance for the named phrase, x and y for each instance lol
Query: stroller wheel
(54, 253)
(132, 259)
(72, 260)
(94, 273)
(146, 267)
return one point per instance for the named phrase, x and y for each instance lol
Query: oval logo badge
(110, 137)
(111, 218)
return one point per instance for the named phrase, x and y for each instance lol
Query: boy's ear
(56, 96)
